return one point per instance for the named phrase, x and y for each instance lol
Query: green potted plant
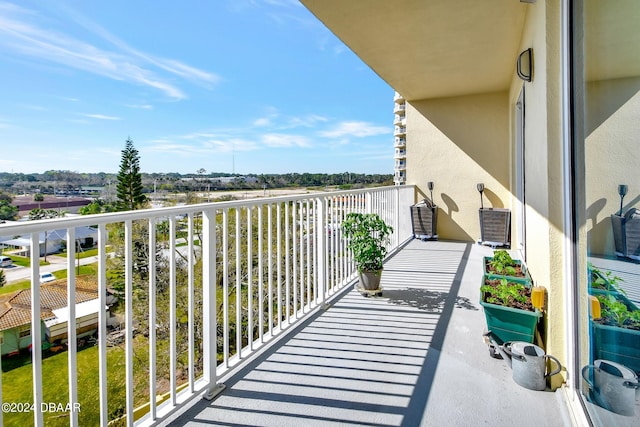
(367, 238)
(501, 264)
(509, 309)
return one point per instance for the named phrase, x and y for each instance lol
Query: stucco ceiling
(431, 48)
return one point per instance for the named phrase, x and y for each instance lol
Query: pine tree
(129, 189)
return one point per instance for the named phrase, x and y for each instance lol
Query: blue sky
(249, 86)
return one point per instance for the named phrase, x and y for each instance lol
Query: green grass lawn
(17, 387)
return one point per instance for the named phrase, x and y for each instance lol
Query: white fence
(215, 281)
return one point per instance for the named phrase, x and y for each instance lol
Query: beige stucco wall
(456, 143)
(544, 167)
(612, 155)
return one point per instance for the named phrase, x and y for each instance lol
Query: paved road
(17, 273)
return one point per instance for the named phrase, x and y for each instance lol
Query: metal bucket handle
(557, 362)
(506, 347)
(584, 370)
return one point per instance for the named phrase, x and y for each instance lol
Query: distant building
(15, 314)
(400, 140)
(50, 242)
(67, 204)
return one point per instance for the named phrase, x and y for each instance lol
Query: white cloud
(101, 117)
(282, 140)
(200, 146)
(123, 64)
(355, 128)
(141, 106)
(262, 122)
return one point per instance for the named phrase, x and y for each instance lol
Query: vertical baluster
(279, 262)
(128, 286)
(294, 243)
(238, 287)
(309, 238)
(209, 309)
(287, 264)
(152, 318)
(173, 301)
(36, 328)
(250, 277)
(260, 276)
(302, 256)
(225, 287)
(102, 323)
(270, 267)
(191, 299)
(71, 326)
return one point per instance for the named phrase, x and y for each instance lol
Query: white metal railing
(224, 278)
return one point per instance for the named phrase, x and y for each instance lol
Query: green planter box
(617, 344)
(507, 323)
(526, 277)
(610, 342)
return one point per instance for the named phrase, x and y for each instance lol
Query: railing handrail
(35, 226)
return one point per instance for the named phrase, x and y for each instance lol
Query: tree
(129, 189)
(7, 210)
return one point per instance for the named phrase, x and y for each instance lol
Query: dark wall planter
(424, 218)
(626, 234)
(495, 226)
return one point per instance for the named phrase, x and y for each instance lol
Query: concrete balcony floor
(413, 357)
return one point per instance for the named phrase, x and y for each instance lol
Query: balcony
(411, 357)
(400, 153)
(399, 130)
(400, 141)
(399, 108)
(399, 119)
(254, 304)
(398, 98)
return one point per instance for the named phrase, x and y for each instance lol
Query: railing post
(102, 322)
(152, 319)
(396, 205)
(71, 326)
(128, 302)
(209, 303)
(321, 234)
(36, 328)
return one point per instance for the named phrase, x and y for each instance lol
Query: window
(606, 87)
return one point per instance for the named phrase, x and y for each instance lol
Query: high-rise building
(400, 140)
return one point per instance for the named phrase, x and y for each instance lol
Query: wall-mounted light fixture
(524, 65)
(430, 187)
(480, 188)
(622, 191)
